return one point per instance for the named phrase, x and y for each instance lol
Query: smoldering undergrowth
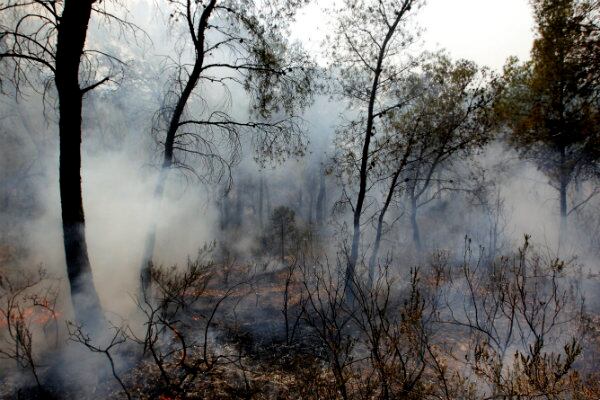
(512, 326)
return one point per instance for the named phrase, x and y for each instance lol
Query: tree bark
(260, 204)
(320, 208)
(563, 187)
(150, 243)
(193, 79)
(282, 242)
(311, 198)
(364, 164)
(267, 200)
(72, 32)
(362, 191)
(380, 220)
(386, 205)
(414, 209)
(238, 207)
(300, 203)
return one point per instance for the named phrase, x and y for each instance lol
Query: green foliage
(438, 112)
(373, 72)
(236, 45)
(450, 113)
(550, 103)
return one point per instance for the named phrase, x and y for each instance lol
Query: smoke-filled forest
(298, 199)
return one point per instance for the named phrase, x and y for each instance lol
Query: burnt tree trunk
(224, 211)
(300, 203)
(261, 196)
(151, 237)
(563, 188)
(267, 198)
(364, 163)
(194, 77)
(380, 220)
(321, 201)
(72, 32)
(282, 240)
(311, 198)
(388, 199)
(414, 209)
(239, 208)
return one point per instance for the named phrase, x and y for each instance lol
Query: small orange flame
(36, 314)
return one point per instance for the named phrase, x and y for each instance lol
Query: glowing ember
(165, 397)
(35, 314)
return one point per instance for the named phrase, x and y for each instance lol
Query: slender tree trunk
(563, 187)
(225, 214)
(151, 237)
(362, 191)
(300, 201)
(311, 203)
(364, 163)
(238, 207)
(311, 198)
(386, 205)
(414, 209)
(193, 79)
(376, 244)
(72, 32)
(388, 200)
(494, 218)
(320, 208)
(563, 213)
(493, 241)
(282, 242)
(267, 200)
(260, 203)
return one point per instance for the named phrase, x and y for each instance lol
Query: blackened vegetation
(72, 30)
(341, 275)
(234, 46)
(512, 328)
(44, 41)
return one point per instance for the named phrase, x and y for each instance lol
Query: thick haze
(119, 161)
(277, 222)
(485, 31)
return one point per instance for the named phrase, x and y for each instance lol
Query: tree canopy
(551, 103)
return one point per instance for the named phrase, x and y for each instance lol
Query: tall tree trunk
(267, 200)
(364, 163)
(225, 214)
(376, 245)
(193, 79)
(311, 198)
(563, 187)
(386, 205)
(282, 241)
(72, 32)
(260, 204)
(363, 176)
(414, 209)
(493, 247)
(300, 203)
(311, 202)
(320, 208)
(238, 207)
(379, 232)
(151, 237)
